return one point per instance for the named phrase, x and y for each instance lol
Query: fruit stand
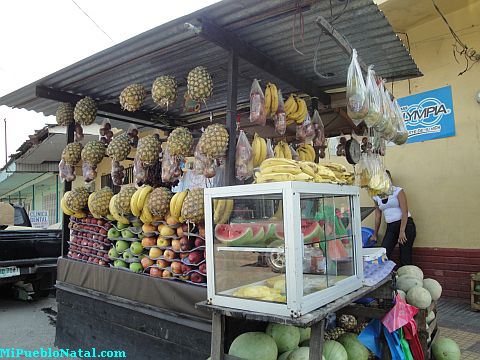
(134, 260)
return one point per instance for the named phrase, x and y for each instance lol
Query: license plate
(10, 271)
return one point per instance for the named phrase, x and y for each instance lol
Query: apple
(166, 274)
(185, 244)
(90, 244)
(185, 228)
(163, 263)
(176, 246)
(167, 231)
(155, 272)
(197, 278)
(148, 228)
(100, 246)
(169, 254)
(121, 246)
(201, 230)
(84, 243)
(128, 255)
(155, 253)
(195, 257)
(120, 263)
(121, 226)
(199, 242)
(106, 257)
(161, 241)
(149, 241)
(96, 260)
(87, 220)
(90, 235)
(100, 222)
(176, 267)
(93, 221)
(184, 277)
(90, 259)
(85, 257)
(136, 248)
(103, 232)
(127, 234)
(102, 263)
(137, 223)
(146, 262)
(171, 220)
(108, 225)
(113, 233)
(136, 267)
(183, 255)
(179, 231)
(203, 268)
(106, 241)
(186, 268)
(160, 227)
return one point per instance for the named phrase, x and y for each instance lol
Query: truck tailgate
(29, 244)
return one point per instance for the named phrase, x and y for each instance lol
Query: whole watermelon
(433, 287)
(419, 297)
(304, 334)
(446, 349)
(254, 346)
(284, 356)
(411, 270)
(302, 353)
(287, 337)
(355, 349)
(333, 350)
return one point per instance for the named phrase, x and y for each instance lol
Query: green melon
(254, 346)
(305, 343)
(411, 270)
(402, 294)
(234, 234)
(302, 353)
(446, 349)
(287, 337)
(419, 297)
(304, 333)
(311, 231)
(430, 317)
(406, 282)
(333, 350)
(354, 348)
(284, 356)
(433, 287)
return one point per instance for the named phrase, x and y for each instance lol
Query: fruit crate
(475, 291)
(313, 255)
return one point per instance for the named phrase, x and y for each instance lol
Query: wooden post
(231, 118)
(218, 336)
(67, 186)
(316, 340)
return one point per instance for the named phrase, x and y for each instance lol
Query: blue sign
(429, 115)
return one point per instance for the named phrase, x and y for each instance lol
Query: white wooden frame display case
(236, 280)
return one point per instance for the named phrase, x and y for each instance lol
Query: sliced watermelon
(311, 231)
(269, 231)
(234, 234)
(336, 250)
(258, 234)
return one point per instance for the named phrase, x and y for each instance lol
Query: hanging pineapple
(164, 91)
(159, 201)
(192, 207)
(85, 111)
(148, 150)
(98, 202)
(77, 199)
(199, 84)
(132, 97)
(179, 142)
(72, 153)
(214, 141)
(64, 114)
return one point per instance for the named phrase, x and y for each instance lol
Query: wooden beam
(231, 117)
(229, 41)
(339, 39)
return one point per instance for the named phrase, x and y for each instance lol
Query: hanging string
(299, 11)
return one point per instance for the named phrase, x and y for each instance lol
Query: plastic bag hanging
(280, 118)
(89, 172)
(106, 133)
(373, 99)
(402, 132)
(67, 172)
(294, 153)
(270, 152)
(257, 104)
(357, 105)
(390, 129)
(319, 139)
(117, 173)
(139, 172)
(171, 171)
(382, 123)
(243, 158)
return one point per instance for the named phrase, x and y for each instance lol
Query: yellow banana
(90, 199)
(96, 216)
(147, 189)
(133, 203)
(80, 214)
(287, 153)
(276, 162)
(66, 210)
(146, 215)
(257, 152)
(219, 210)
(274, 96)
(291, 169)
(299, 115)
(304, 177)
(263, 150)
(278, 150)
(172, 203)
(311, 151)
(274, 177)
(307, 169)
(178, 203)
(113, 210)
(290, 105)
(227, 212)
(268, 99)
(279, 213)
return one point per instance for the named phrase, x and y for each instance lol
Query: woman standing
(400, 226)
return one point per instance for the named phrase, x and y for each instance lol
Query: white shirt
(391, 210)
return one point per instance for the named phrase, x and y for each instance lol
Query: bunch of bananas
(295, 110)
(67, 211)
(271, 100)
(176, 203)
(138, 202)
(282, 151)
(259, 147)
(222, 209)
(306, 152)
(114, 212)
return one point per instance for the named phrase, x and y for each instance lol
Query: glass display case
(283, 248)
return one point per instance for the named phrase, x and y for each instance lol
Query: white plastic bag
(357, 106)
(243, 158)
(280, 118)
(374, 100)
(270, 152)
(257, 104)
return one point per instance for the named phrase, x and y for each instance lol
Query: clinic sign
(429, 115)
(38, 218)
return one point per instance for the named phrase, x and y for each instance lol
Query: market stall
(182, 105)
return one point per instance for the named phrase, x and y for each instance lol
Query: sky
(41, 37)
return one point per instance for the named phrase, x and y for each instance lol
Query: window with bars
(50, 205)
(106, 180)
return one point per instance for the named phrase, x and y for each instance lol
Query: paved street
(28, 325)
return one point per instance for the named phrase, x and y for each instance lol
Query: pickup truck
(28, 254)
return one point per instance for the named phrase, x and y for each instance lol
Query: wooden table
(314, 319)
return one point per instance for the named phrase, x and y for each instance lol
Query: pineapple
(77, 199)
(214, 141)
(85, 111)
(334, 334)
(100, 201)
(179, 142)
(122, 201)
(360, 327)
(164, 91)
(72, 153)
(159, 201)
(148, 150)
(64, 114)
(132, 97)
(119, 147)
(199, 83)
(347, 322)
(93, 152)
(192, 207)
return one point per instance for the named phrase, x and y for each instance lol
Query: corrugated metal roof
(266, 25)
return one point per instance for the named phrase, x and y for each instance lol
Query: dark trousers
(390, 240)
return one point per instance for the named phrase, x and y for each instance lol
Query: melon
(304, 334)
(430, 317)
(354, 348)
(311, 231)
(234, 234)
(336, 250)
(406, 282)
(419, 297)
(302, 353)
(284, 356)
(254, 346)
(279, 233)
(410, 270)
(287, 337)
(258, 234)
(304, 343)
(333, 350)
(402, 294)
(445, 349)
(433, 287)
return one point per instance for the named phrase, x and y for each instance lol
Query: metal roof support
(338, 38)
(229, 41)
(231, 116)
(67, 186)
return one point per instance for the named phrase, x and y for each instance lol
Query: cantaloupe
(406, 282)
(433, 287)
(419, 297)
(333, 350)
(302, 353)
(430, 317)
(304, 334)
(446, 349)
(286, 337)
(284, 356)
(411, 270)
(354, 348)
(253, 346)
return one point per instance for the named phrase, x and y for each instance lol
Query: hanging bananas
(222, 209)
(271, 100)
(176, 203)
(259, 147)
(295, 110)
(306, 152)
(282, 151)
(137, 202)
